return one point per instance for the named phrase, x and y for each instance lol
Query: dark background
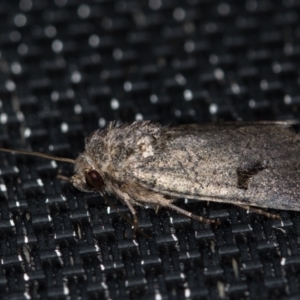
(68, 67)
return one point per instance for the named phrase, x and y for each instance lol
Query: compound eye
(94, 180)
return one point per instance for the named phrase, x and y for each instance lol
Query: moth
(251, 165)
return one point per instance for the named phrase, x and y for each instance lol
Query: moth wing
(235, 125)
(245, 164)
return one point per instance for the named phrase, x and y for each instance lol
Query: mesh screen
(69, 67)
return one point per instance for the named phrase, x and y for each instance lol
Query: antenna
(32, 153)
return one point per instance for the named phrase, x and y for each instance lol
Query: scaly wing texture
(254, 165)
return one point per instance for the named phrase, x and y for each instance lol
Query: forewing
(247, 164)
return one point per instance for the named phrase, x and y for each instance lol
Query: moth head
(87, 178)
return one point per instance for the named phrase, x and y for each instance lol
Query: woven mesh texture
(68, 67)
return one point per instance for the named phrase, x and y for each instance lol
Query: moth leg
(124, 216)
(259, 211)
(192, 216)
(65, 178)
(133, 212)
